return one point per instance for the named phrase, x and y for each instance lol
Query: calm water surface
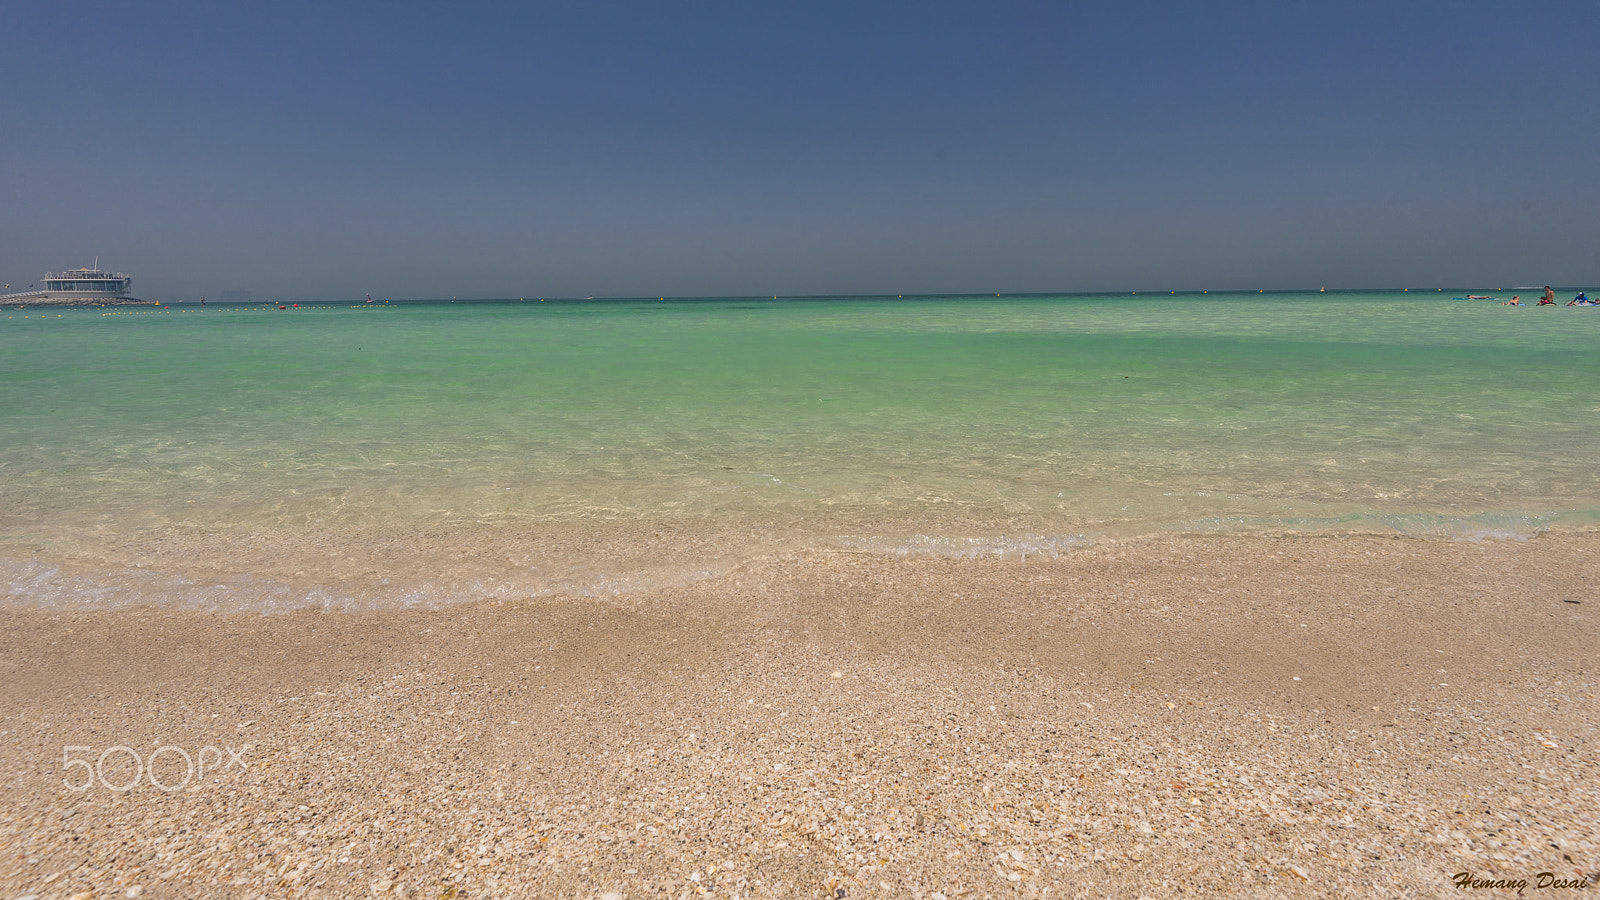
(246, 457)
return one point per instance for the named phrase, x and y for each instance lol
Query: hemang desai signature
(1540, 881)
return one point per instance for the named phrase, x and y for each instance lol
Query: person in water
(1580, 300)
(1549, 296)
(1514, 301)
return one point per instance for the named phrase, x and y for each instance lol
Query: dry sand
(1201, 716)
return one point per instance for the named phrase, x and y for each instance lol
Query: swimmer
(1514, 301)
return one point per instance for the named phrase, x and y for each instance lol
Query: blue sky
(487, 150)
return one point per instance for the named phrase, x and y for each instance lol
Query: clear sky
(326, 150)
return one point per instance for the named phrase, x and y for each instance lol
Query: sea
(354, 456)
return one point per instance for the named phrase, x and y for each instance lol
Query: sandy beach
(709, 451)
(1184, 716)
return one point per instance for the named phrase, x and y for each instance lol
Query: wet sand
(1200, 716)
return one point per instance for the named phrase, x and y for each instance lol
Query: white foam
(37, 584)
(943, 547)
(1482, 527)
(1489, 526)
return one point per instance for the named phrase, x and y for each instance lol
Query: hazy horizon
(617, 150)
(955, 295)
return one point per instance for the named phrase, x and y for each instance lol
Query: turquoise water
(414, 453)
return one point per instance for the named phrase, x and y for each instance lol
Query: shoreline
(348, 567)
(1199, 715)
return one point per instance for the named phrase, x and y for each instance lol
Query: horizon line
(530, 298)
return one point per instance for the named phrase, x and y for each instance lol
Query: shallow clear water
(246, 456)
